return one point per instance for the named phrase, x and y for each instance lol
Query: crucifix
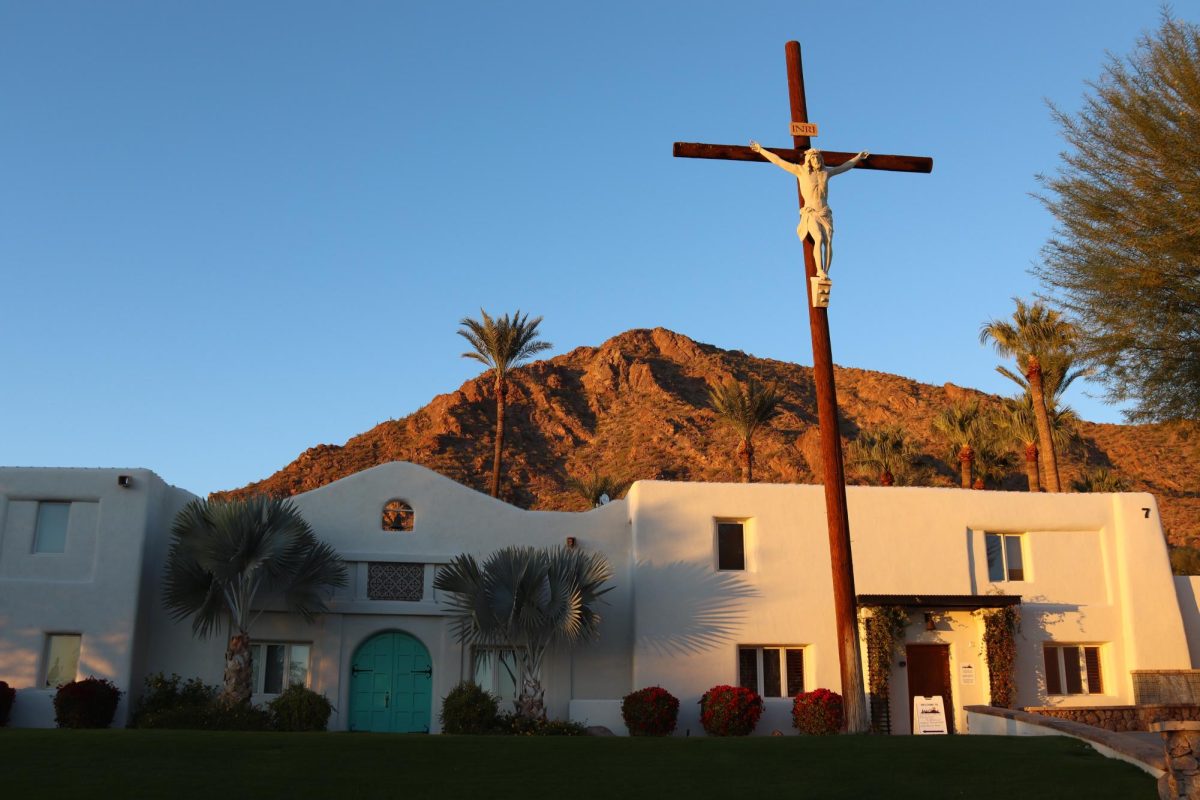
(818, 285)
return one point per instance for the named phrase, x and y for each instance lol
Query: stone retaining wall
(1122, 718)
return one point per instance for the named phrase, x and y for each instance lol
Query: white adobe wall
(450, 519)
(92, 589)
(1187, 591)
(1097, 572)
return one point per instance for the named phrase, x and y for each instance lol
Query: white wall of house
(91, 589)
(1096, 574)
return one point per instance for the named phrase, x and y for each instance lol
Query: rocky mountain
(637, 407)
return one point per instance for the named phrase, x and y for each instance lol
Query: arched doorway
(391, 679)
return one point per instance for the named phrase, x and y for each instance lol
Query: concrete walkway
(1143, 750)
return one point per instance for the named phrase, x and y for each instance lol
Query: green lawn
(185, 764)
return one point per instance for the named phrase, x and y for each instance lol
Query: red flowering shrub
(89, 703)
(730, 710)
(650, 712)
(818, 712)
(7, 695)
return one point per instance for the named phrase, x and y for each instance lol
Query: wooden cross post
(844, 599)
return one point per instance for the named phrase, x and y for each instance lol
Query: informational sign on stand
(929, 716)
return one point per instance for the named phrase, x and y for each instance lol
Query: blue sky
(230, 230)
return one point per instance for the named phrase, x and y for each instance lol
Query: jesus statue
(816, 218)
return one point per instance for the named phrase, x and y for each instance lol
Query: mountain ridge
(636, 406)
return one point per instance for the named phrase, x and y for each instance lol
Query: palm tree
(596, 486)
(1036, 336)
(1016, 421)
(225, 554)
(526, 599)
(745, 409)
(993, 456)
(1100, 479)
(961, 427)
(501, 344)
(885, 451)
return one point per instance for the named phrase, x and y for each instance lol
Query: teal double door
(391, 685)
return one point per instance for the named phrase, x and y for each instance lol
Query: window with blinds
(773, 671)
(1072, 669)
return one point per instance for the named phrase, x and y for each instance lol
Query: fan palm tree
(1036, 336)
(225, 554)
(745, 409)
(596, 486)
(1016, 422)
(993, 456)
(961, 426)
(500, 344)
(526, 599)
(884, 451)
(1100, 479)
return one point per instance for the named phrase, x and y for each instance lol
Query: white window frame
(1004, 537)
(258, 651)
(1060, 661)
(761, 673)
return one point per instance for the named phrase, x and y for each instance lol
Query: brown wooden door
(929, 675)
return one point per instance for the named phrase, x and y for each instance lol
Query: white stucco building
(714, 583)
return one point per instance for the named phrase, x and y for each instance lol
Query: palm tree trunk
(886, 478)
(746, 451)
(501, 391)
(966, 460)
(1045, 440)
(1031, 466)
(239, 673)
(530, 703)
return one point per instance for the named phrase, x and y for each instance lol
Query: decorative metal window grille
(395, 581)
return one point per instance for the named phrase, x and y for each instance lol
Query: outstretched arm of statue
(774, 159)
(849, 165)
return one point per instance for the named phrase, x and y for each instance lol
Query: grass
(189, 764)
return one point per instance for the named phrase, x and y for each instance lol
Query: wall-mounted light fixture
(571, 542)
(125, 482)
(930, 622)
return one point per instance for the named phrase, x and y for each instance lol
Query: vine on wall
(1000, 628)
(885, 632)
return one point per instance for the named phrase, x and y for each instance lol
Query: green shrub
(89, 703)
(168, 703)
(650, 712)
(469, 709)
(7, 695)
(299, 709)
(730, 710)
(192, 705)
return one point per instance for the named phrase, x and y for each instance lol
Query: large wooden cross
(845, 601)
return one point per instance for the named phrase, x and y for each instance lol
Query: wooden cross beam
(844, 598)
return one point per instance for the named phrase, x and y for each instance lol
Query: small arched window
(397, 516)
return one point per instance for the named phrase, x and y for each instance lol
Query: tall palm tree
(597, 486)
(1016, 421)
(500, 344)
(961, 426)
(526, 599)
(225, 554)
(993, 455)
(1036, 336)
(745, 409)
(886, 451)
